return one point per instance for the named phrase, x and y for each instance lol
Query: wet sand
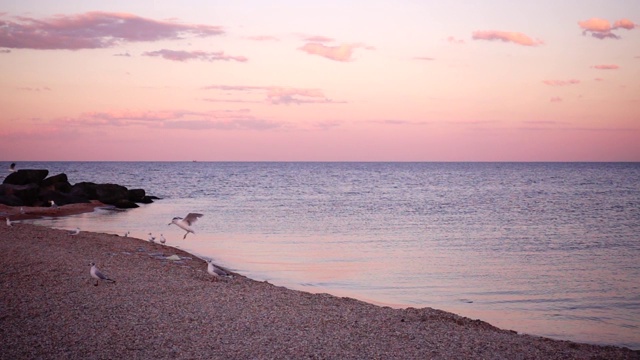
(160, 308)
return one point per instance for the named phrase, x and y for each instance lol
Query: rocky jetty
(34, 188)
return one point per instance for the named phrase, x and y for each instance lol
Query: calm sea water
(549, 249)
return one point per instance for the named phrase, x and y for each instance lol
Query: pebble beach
(164, 305)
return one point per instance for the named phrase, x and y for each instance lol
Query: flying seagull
(185, 224)
(215, 271)
(96, 274)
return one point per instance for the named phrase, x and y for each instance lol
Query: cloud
(425, 58)
(123, 54)
(38, 89)
(180, 55)
(453, 40)
(278, 95)
(514, 37)
(318, 39)
(170, 119)
(606, 67)
(555, 99)
(341, 53)
(287, 96)
(4, 51)
(602, 29)
(624, 24)
(561, 82)
(263, 38)
(93, 30)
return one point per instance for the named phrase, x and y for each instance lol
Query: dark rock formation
(24, 177)
(33, 188)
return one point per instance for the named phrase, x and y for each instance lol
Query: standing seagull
(53, 204)
(12, 167)
(151, 238)
(96, 274)
(9, 222)
(215, 271)
(185, 224)
(75, 232)
(162, 239)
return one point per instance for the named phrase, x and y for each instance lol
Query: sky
(491, 80)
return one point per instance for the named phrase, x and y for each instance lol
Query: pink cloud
(93, 30)
(602, 29)
(318, 39)
(338, 53)
(453, 40)
(263, 38)
(514, 37)
(169, 119)
(278, 95)
(555, 99)
(426, 58)
(561, 82)
(606, 67)
(180, 55)
(45, 88)
(624, 24)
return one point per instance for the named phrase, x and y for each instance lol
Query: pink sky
(320, 81)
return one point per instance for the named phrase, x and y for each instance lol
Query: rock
(61, 198)
(26, 176)
(84, 189)
(27, 194)
(146, 200)
(136, 195)
(111, 193)
(125, 204)
(57, 182)
(11, 200)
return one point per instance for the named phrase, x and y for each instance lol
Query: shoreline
(35, 212)
(160, 308)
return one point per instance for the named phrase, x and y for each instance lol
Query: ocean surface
(550, 249)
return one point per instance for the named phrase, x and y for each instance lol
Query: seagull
(162, 239)
(152, 238)
(186, 223)
(9, 222)
(75, 232)
(22, 210)
(96, 274)
(53, 204)
(215, 271)
(12, 167)
(126, 234)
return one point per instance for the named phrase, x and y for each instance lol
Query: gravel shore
(167, 309)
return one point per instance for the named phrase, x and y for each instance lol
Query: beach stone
(111, 193)
(11, 200)
(58, 182)
(27, 194)
(124, 204)
(136, 195)
(26, 176)
(61, 198)
(84, 189)
(146, 200)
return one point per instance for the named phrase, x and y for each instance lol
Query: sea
(548, 249)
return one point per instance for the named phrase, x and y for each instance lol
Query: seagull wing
(192, 218)
(102, 276)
